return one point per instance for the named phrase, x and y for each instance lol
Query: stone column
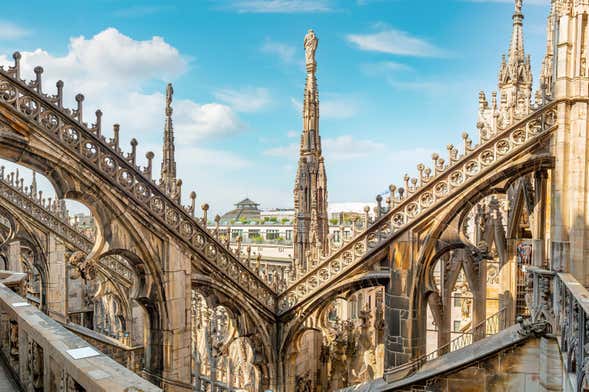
(57, 283)
(538, 249)
(176, 321)
(569, 191)
(14, 263)
(397, 313)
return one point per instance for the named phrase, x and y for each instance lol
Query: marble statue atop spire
(311, 43)
(169, 95)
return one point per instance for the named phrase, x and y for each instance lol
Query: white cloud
(279, 6)
(9, 30)
(286, 53)
(340, 148)
(112, 70)
(291, 134)
(245, 100)
(346, 147)
(392, 41)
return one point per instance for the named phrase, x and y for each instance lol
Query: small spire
(168, 171)
(34, 184)
(516, 49)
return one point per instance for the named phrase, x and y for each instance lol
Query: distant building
(245, 210)
(270, 233)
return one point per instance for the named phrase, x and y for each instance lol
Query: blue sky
(398, 80)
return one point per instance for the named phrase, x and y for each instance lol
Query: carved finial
(192, 202)
(38, 81)
(147, 170)
(392, 189)
(217, 220)
(97, 128)
(378, 205)
(238, 241)
(420, 169)
(205, 208)
(132, 155)
(16, 69)
(518, 6)
(366, 216)
(483, 104)
(467, 142)
(406, 181)
(80, 109)
(59, 96)
(115, 140)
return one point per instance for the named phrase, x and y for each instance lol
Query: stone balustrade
(43, 355)
(447, 181)
(87, 144)
(559, 300)
(53, 218)
(130, 357)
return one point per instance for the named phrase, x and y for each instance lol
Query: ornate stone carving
(35, 365)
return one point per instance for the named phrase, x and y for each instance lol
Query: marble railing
(45, 356)
(425, 195)
(104, 157)
(52, 217)
(130, 357)
(559, 300)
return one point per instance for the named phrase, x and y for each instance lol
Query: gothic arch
(248, 322)
(353, 284)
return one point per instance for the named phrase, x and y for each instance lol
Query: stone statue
(81, 267)
(169, 94)
(518, 6)
(311, 42)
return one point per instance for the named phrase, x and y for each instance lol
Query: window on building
(236, 233)
(457, 302)
(457, 325)
(288, 235)
(253, 233)
(347, 234)
(336, 236)
(272, 234)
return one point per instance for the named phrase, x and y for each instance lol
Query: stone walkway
(6, 382)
